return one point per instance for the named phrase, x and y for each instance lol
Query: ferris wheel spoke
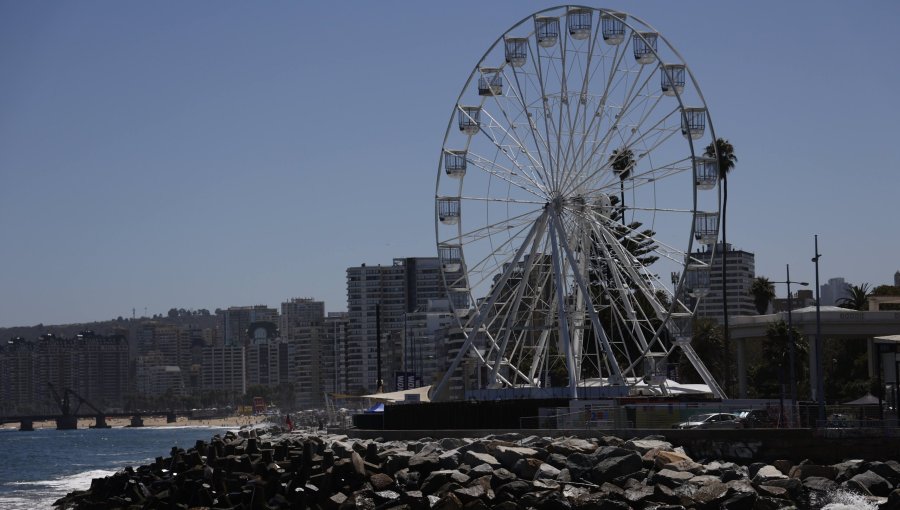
(547, 135)
(631, 95)
(499, 227)
(649, 176)
(541, 148)
(627, 146)
(507, 175)
(511, 134)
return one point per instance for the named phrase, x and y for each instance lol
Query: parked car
(755, 418)
(710, 421)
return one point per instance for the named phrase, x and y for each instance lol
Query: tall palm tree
(723, 151)
(622, 162)
(763, 291)
(858, 298)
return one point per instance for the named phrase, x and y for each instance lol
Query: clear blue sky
(210, 154)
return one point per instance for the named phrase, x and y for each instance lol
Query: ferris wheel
(572, 191)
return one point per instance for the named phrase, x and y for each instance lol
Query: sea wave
(43, 493)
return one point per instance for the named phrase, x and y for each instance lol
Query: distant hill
(110, 327)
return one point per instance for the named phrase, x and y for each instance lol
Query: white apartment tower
(404, 287)
(741, 270)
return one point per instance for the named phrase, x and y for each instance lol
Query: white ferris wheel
(572, 190)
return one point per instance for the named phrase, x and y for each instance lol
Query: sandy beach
(156, 421)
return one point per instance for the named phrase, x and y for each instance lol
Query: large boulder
(569, 445)
(870, 483)
(510, 455)
(611, 468)
(766, 473)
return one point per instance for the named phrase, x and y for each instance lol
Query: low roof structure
(419, 394)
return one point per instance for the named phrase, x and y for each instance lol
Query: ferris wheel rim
(479, 67)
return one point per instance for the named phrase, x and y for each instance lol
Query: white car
(710, 421)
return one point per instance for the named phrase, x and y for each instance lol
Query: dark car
(710, 421)
(755, 418)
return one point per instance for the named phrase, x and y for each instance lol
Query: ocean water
(37, 468)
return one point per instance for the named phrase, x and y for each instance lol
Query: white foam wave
(79, 481)
(176, 427)
(844, 500)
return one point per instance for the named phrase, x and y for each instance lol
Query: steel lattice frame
(554, 233)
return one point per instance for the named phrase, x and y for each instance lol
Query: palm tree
(622, 162)
(763, 291)
(723, 151)
(858, 298)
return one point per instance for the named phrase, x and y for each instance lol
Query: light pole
(820, 378)
(791, 339)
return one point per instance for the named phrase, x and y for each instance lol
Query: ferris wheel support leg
(526, 272)
(561, 306)
(482, 314)
(612, 366)
(703, 371)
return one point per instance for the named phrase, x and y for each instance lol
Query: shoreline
(155, 421)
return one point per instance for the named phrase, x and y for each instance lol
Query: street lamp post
(791, 340)
(820, 377)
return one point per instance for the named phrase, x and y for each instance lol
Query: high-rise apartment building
(741, 270)
(426, 337)
(334, 358)
(832, 292)
(303, 326)
(234, 322)
(404, 287)
(93, 366)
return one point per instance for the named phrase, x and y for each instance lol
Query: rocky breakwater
(270, 470)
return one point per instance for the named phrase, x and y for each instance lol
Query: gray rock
(475, 458)
(450, 443)
(481, 470)
(887, 470)
(556, 460)
(893, 501)
(670, 478)
(614, 467)
(509, 455)
(784, 466)
(381, 481)
(643, 446)
(450, 459)
(766, 473)
(425, 461)
(819, 484)
(527, 468)
(570, 445)
(739, 501)
(871, 483)
(804, 471)
(848, 469)
(448, 502)
(546, 471)
(438, 479)
(579, 465)
(502, 476)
